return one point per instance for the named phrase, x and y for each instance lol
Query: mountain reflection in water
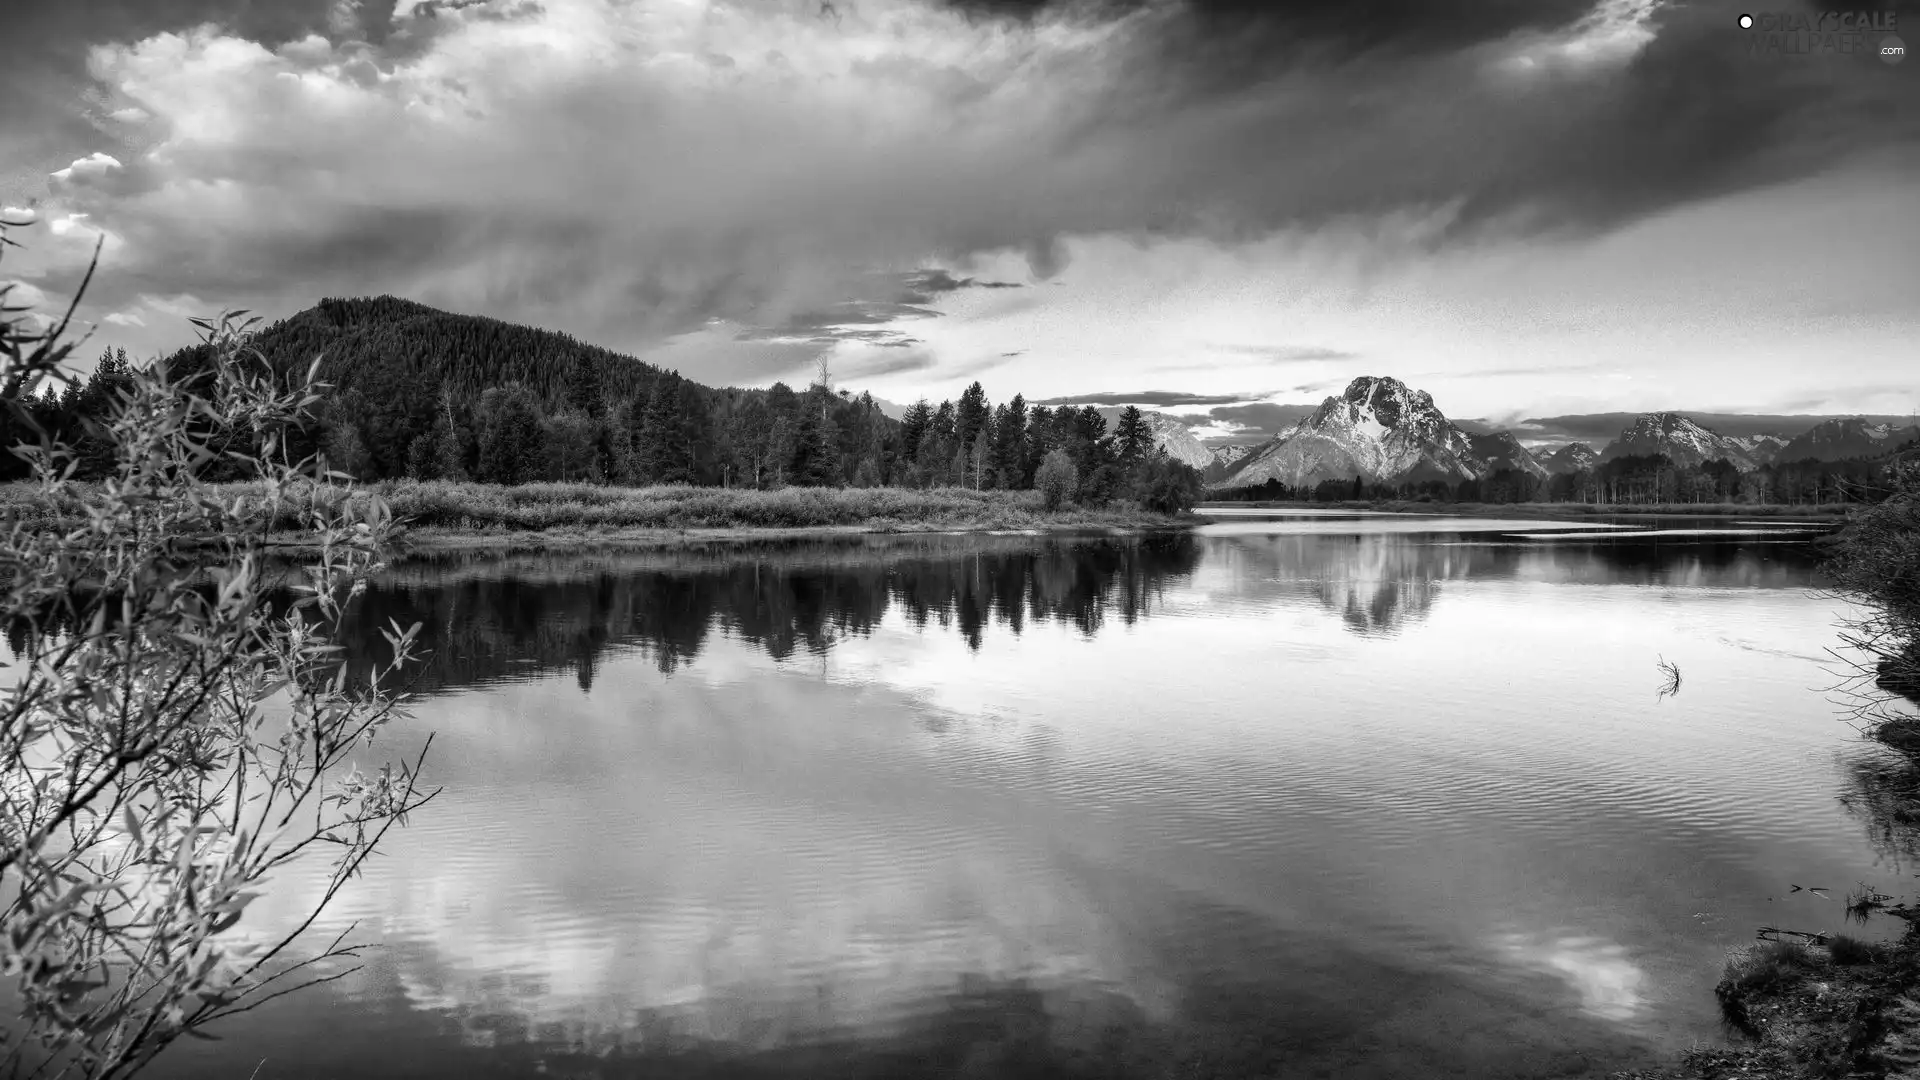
(1258, 801)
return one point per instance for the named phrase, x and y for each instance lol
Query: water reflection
(489, 619)
(1281, 802)
(1610, 984)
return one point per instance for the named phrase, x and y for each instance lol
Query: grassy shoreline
(443, 516)
(447, 516)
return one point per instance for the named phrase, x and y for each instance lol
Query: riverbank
(1839, 1007)
(443, 516)
(1832, 512)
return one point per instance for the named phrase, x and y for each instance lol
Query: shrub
(1170, 487)
(1101, 484)
(172, 738)
(1056, 479)
(1842, 949)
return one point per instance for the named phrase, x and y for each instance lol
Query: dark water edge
(1283, 899)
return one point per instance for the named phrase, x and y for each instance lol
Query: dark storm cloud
(909, 295)
(1147, 397)
(1261, 418)
(1246, 29)
(923, 286)
(1342, 108)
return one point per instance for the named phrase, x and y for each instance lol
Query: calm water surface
(1339, 796)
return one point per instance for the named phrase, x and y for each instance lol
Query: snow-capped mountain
(1500, 450)
(1177, 440)
(1572, 458)
(1761, 448)
(1378, 429)
(1231, 452)
(1846, 437)
(1682, 440)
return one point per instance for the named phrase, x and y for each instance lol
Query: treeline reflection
(487, 618)
(490, 619)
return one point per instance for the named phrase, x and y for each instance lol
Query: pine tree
(586, 388)
(1133, 435)
(913, 427)
(659, 435)
(510, 450)
(972, 415)
(816, 459)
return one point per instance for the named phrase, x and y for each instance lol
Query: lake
(1299, 796)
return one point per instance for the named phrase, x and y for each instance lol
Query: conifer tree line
(421, 393)
(1653, 479)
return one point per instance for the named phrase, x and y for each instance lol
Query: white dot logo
(1746, 22)
(1892, 49)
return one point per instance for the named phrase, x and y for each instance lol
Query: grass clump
(1850, 951)
(1767, 966)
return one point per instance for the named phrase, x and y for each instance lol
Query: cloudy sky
(1526, 207)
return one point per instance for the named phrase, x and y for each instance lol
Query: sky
(1229, 209)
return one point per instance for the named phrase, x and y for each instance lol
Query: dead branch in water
(1672, 672)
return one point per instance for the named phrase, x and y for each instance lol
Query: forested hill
(418, 392)
(369, 342)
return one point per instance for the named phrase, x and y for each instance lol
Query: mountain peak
(1502, 450)
(1571, 458)
(1681, 439)
(1366, 386)
(1386, 397)
(1378, 428)
(1665, 421)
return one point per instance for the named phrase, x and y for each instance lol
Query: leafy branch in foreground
(178, 727)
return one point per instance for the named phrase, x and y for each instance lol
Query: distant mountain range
(1382, 430)
(1847, 437)
(1572, 458)
(1686, 442)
